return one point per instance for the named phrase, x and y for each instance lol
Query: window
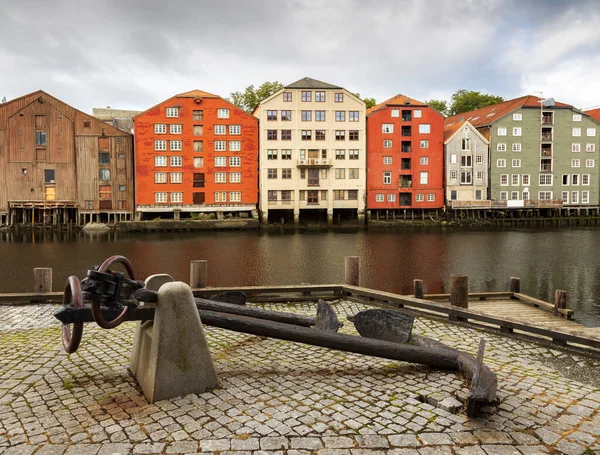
(585, 197)
(271, 135)
(235, 146)
(387, 128)
(503, 195)
(235, 129)
(576, 132)
(104, 175)
(466, 177)
(387, 144)
(103, 158)
(160, 145)
(122, 187)
(272, 154)
(479, 159)
(176, 161)
(286, 116)
(576, 148)
(453, 158)
(235, 161)
(220, 196)
(172, 112)
(545, 179)
(49, 176)
(525, 179)
(286, 195)
(466, 161)
(424, 144)
(564, 196)
(590, 147)
(220, 146)
(466, 144)
(387, 178)
(430, 197)
(287, 173)
(525, 195)
(514, 195)
(198, 130)
(175, 129)
(340, 173)
(590, 163)
(352, 154)
(175, 145)
(591, 131)
(501, 131)
(566, 179)
(320, 135)
(516, 131)
(235, 196)
(391, 197)
(271, 173)
(272, 195)
(353, 116)
(160, 161)
(420, 197)
(220, 129)
(577, 117)
(417, 113)
(545, 165)
(198, 161)
(340, 154)
(160, 177)
(222, 113)
(197, 115)
(306, 97)
(574, 197)
(338, 97)
(516, 147)
(177, 197)
(479, 175)
(271, 115)
(286, 135)
(453, 175)
(516, 163)
(287, 96)
(379, 197)
(319, 116)
(306, 135)
(160, 197)
(306, 116)
(340, 135)
(353, 174)
(320, 97)
(176, 177)
(340, 116)
(286, 154)
(517, 117)
(575, 179)
(235, 177)
(353, 135)
(395, 112)
(160, 128)
(424, 178)
(575, 163)
(424, 128)
(503, 179)
(199, 180)
(501, 147)
(220, 161)
(501, 163)
(220, 177)
(514, 179)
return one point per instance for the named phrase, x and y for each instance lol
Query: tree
(439, 105)
(251, 97)
(370, 102)
(469, 100)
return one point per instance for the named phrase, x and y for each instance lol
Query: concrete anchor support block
(172, 357)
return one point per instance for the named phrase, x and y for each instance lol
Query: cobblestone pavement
(278, 397)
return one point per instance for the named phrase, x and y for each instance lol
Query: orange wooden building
(405, 155)
(195, 152)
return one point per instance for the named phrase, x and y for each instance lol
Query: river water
(545, 260)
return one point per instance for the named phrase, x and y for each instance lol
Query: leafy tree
(469, 100)
(439, 105)
(370, 102)
(251, 97)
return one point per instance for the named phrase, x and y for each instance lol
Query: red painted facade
(204, 153)
(396, 169)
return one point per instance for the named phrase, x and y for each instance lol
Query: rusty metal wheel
(72, 296)
(96, 312)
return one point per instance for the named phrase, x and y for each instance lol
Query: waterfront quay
(278, 397)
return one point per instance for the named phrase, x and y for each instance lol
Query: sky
(133, 54)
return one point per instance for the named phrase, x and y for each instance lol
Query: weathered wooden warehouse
(61, 166)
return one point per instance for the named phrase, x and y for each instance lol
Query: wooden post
(560, 301)
(514, 284)
(418, 287)
(459, 291)
(198, 274)
(42, 279)
(351, 270)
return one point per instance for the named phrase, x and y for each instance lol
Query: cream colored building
(312, 153)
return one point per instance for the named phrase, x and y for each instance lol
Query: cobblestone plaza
(278, 397)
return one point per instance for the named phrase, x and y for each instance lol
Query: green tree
(251, 97)
(469, 100)
(370, 102)
(439, 105)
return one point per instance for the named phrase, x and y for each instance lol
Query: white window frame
(417, 113)
(585, 197)
(516, 147)
(501, 162)
(160, 177)
(424, 160)
(176, 197)
(575, 163)
(222, 113)
(577, 117)
(419, 197)
(391, 197)
(176, 161)
(235, 161)
(517, 117)
(175, 145)
(379, 197)
(235, 196)
(220, 130)
(160, 197)
(424, 144)
(220, 146)
(175, 128)
(545, 180)
(235, 146)
(501, 147)
(517, 131)
(160, 128)
(430, 197)
(516, 163)
(387, 128)
(590, 147)
(235, 130)
(235, 177)
(387, 160)
(424, 178)
(220, 177)
(525, 179)
(503, 179)
(172, 112)
(176, 177)
(160, 145)
(160, 161)
(387, 178)
(220, 161)
(424, 128)
(501, 131)
(387, 144)
(576, 132)
(590, 163)
(576, 147)
(591, 132)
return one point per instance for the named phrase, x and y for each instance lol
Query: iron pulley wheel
(72, 296)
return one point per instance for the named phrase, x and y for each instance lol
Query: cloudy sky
(132, 54)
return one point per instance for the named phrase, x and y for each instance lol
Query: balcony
(406, 146)
(546, 134)
(405, 164)
(406, 116)
(406, 131)
(548, 118)
(405, 182)
(315, 162)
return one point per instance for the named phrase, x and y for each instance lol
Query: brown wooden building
(61, 166)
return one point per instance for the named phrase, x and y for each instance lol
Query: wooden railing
(496, 204)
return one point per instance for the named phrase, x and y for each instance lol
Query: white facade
(312, 150)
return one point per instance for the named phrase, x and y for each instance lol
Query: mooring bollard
(198, 274)
(42, 279)
(459, 294)
(418, 288)
(514, 284)
(560, 301)
(352, 270)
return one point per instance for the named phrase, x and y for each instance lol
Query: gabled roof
(398, 100)
(307, 82)
(196, 93)
(489, 114)
(452, 129)
(594, 113)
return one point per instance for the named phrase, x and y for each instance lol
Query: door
(198, 198)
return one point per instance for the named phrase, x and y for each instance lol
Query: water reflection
(390, 259)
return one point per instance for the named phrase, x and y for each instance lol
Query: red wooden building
(195, 152)
(405, 155)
